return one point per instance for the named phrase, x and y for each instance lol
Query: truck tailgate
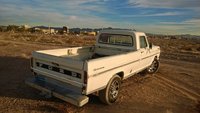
(58, 76)
(60, 68)
(68, 62)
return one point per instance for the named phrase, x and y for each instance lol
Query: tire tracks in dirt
(187, 92)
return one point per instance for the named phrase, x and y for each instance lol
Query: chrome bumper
(63, 93)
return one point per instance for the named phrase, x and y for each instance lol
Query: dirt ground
(174, 89)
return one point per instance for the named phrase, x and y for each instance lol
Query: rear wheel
(153, 68)
(110, 94)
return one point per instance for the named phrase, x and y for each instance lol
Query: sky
(152, 16)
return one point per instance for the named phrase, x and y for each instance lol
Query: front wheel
(110, 94)
(153, 68)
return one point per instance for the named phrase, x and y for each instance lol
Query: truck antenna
(133, 29)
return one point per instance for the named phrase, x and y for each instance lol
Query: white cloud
(155, 14)
(165, 14)
(165, 4)
(72, 17)
(190, 26)
(193, 22)
(74, 13)
(75, 6)
(77, 13)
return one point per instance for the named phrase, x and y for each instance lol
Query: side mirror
(150, 45)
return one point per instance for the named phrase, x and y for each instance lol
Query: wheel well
(156, 58)
(121, 74)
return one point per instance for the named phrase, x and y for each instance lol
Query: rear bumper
(63, 93)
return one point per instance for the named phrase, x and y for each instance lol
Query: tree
(12, 28)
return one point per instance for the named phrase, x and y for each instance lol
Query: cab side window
(143, 43)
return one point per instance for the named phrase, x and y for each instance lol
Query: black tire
(153, 68)
(110, 94)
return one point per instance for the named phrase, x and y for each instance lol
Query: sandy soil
(174, 89)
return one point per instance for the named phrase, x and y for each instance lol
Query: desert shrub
(198, 49)
(198, 107)
(69, 41)
(4, 43)
(187, 48)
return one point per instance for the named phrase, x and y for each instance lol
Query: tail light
(31, 61)
(85, 77)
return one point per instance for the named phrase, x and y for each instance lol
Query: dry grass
(71, 40)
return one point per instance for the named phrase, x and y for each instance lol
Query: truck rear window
(116, 39)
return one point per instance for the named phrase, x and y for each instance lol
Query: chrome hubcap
(114, 89)
(153, 66)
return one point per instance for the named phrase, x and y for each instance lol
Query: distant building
(91, 33)
(75, 31)
(45, 30)
(3, 28)
(65, 30)
(26, 27)
(167, 38)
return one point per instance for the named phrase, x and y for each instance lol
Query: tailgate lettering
(59, 70)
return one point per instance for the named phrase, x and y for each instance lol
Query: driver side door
(144, 52)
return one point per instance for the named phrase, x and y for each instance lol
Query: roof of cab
(120, 31)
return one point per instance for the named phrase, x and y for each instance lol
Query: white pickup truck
(73, 73)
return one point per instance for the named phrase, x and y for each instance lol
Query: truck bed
(76, 53)
(76, 56)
